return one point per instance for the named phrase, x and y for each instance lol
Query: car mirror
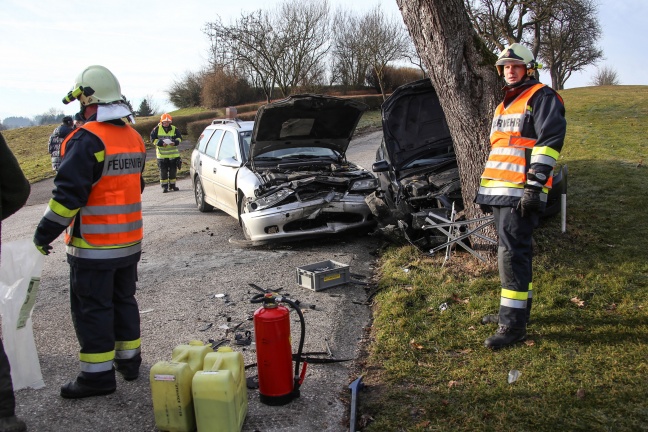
(380, 166)
(230, 162)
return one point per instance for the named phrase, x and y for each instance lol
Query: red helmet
(166, 118)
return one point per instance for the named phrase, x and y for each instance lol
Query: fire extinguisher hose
(299, 378)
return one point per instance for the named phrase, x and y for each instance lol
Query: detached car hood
(305, 121)
(414, 124)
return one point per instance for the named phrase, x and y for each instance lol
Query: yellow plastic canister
(171, 387)
(220, 392)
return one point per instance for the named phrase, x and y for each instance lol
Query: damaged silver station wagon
(285, 175)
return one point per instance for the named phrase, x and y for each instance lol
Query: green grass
(584, 367)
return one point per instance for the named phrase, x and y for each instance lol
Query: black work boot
(12, 424)
(76, 390)
(174, 187)
(490, 319)
(505, 336)
(129, 373)
(165, 189)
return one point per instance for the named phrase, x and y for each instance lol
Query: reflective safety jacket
(523, 141)
(158, 135)
(110, 224)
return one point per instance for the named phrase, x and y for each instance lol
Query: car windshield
(298, 153)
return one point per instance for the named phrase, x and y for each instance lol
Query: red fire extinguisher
(278, 385)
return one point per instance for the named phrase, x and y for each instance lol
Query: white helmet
(517, 54)
(95, 85)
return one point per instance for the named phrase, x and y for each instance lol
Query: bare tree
(413, 57)
(249, 43)
(568, 40)
(385, 41)
(460, 66)
(560, 33)
(303, 28)
(604, 76)
(283, 48)
(349, 57)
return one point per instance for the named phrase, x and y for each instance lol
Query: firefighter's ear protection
(76, 93)
(532, 66)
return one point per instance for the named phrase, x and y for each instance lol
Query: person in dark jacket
(14, 191)
(98, 195)
(56, 139)
(527, 135)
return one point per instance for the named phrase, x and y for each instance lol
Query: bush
(223, 88)
(605, 76)
(394, 77)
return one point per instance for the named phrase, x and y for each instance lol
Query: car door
(207, 166)
(228, 162)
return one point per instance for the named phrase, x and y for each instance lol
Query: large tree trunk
(462, 71)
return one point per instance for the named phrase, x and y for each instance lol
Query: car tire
(199, 194)
(242, 210)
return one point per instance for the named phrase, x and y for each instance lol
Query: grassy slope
(585, 364)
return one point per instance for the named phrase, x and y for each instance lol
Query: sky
(149, 45)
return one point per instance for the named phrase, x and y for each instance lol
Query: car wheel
(199, 193)
(243, 209)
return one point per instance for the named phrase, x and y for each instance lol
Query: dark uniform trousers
(514, 259)
(104, 310)
(168, 171)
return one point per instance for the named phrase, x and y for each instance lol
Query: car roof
(236, 124)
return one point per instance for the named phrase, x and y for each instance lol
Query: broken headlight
(364, 184)
(271, 200)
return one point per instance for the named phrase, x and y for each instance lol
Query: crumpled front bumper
(270, 223)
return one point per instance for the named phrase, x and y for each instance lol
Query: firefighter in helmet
(166, 139)
(98, 198)
(527, 135)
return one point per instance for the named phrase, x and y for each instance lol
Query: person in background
(527, 135)
(55, 140)
(14, 191)
(166, 139)
(78, 120)
(97, 196)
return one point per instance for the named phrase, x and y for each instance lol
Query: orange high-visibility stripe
(112, 217)
(506, 131)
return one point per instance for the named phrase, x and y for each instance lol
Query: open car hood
(414, 125)
(305, 121)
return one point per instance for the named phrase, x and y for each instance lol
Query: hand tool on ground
(354, 386)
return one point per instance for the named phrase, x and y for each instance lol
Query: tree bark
(462, 71)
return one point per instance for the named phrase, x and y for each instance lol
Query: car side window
(212, 145)
(204, 139)
(227, 147)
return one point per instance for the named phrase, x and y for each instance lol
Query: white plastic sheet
(20, 271)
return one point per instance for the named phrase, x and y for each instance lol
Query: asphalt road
(189, 259)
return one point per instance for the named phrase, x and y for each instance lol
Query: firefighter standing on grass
(98, 197)
(527, 135)
(166, 139)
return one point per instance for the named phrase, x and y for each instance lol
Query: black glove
(530, 202)
(177, 141)
(486, 208)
